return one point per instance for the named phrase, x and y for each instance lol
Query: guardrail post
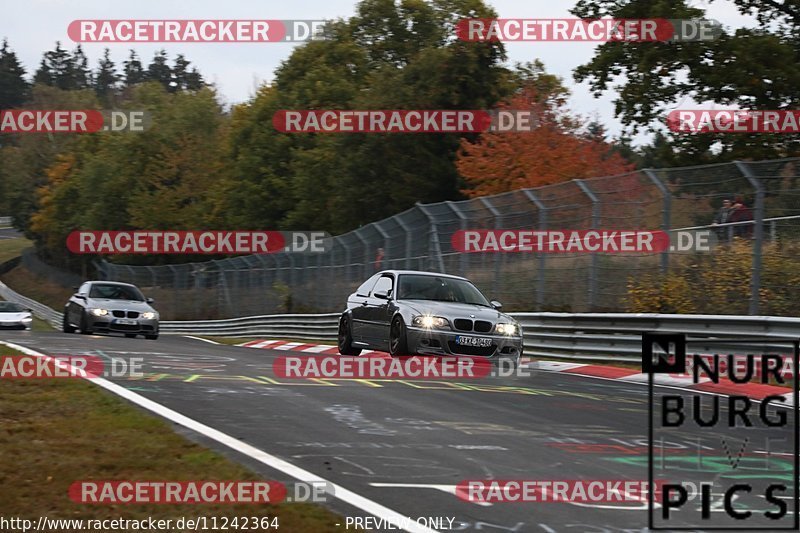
(408, 240)
(462, 225)
(434, 247)
(498, 225)
(540, 274)
(667, 214)
(386, 239)
(595, 220)
(758, 236)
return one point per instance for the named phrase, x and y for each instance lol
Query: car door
(377, 311)
(358, 308)
(77, 305)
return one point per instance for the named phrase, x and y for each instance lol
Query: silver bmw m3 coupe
(411, 312)
(110, 307)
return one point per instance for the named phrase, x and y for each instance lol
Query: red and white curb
(755, 391)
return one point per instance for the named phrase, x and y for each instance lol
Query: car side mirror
(29, 310)
(381, 295)
(81, 296)
(149, 300)
(497, 305)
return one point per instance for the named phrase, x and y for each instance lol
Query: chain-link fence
(420, 238)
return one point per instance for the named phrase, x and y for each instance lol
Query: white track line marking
(201, 339)
(261, 456)
(316, 349)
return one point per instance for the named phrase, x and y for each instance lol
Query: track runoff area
(694, 442)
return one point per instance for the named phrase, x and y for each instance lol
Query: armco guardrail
(5, 222)
(598, 336)
(617, 336)
(39, 310)
(324, 326)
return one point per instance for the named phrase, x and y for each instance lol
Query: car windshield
(10, 307)
(115, 292)
(440, 289)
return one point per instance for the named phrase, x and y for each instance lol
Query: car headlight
(430, 322)
(27, 318)
(99, 312)
(506, 329)
(149, 315)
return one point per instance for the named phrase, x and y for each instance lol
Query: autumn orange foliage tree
(556, 150)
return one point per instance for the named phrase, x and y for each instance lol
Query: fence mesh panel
(762, 268)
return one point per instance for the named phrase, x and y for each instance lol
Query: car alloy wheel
(398, 343)
(345, 338)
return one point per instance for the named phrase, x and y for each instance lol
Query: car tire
(131, 335)
(66, 327)
(151, 337)
(398, 341)
(85, 324)
(345, 338)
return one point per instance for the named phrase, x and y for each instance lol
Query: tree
(557, 150)
(13, 87)
(63, 70)
(752, 68)
(55, 69)
(133, 70)
(391, 55)
(106, 78)
(185, 79)
(159, 71)
(79, 75)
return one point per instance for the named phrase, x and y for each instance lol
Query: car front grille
(125, 314)
(123, 327)
(484, 351)
(481, 326)
(462, 324)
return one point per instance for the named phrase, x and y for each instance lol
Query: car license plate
(481, 342)
(125, 322)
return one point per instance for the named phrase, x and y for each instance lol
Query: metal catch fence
(764, 279)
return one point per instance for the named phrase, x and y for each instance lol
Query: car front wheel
(345, 338)
(66, 327)
(85, 324)
(398, 342)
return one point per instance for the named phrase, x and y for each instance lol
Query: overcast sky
(33, 26)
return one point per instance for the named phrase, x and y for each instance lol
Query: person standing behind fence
(723, 216)
(379, 259)
(741, 213)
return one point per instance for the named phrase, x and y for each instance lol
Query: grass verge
(25, 282)
(11, 248)
(54, 432)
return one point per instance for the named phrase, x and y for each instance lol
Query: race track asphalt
(406, 444)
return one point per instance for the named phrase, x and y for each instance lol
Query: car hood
(119, 305)
(16, 315)
(454, 310)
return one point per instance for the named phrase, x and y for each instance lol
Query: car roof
(111, 283)
(421, 273)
